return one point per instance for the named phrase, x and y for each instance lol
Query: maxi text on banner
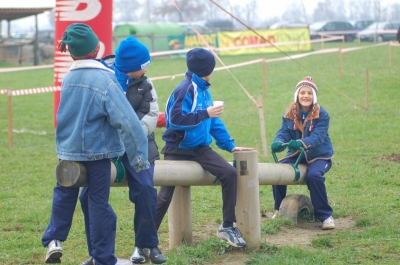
(183, 42)
(290, 39)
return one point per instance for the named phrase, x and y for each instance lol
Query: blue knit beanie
(131, 56)
(200, 61)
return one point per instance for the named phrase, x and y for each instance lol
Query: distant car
(361, 24)
(189, 30)
(219, 25)
(288, 25)
(333, 28)
(384, 31)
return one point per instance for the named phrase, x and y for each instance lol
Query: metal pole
(9, 108)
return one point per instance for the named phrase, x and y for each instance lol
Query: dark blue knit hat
(200, 61)
(131, 55)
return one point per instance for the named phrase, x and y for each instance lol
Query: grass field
(360, 185)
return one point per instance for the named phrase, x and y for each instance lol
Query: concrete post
(248, 201)
(180, 218)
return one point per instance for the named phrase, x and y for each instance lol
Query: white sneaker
(119, 262)
(328, 224)
(54, 252)
(275, 215)
(138, 256)
(123, 262)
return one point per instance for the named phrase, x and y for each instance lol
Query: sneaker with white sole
(154, 255)
(275, 215)
(122, 262)
(138, 257)
(88, 262)
(329, 223)
(54, 252)
(119, 262)
(232, 235)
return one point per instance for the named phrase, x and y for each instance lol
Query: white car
(382, 31)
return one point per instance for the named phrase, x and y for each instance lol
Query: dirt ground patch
(305, 231)
(301, 235)
(392, 157)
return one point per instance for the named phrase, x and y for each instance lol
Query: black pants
(216, 165)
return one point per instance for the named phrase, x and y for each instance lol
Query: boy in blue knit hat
(192, 122)
(91, 129)
(130, 64)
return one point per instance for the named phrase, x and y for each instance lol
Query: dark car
(362, 24)
(219, 25)
(333, 28)
(384, 31)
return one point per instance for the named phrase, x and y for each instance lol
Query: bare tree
(127, 10)
(339, 9)
(394, 12)
(193, 9)
(293, 13)
(361, 9)
(246, 14)
(330, 9)
(324, 11)
(213, 12)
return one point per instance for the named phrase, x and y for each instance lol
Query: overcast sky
(266, 8)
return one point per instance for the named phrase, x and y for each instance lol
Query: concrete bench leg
(180, 218)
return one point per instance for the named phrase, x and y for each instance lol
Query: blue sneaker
(232, 235)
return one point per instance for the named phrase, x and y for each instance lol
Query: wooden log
(179, 173)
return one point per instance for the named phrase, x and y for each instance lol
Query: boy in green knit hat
(95, 123)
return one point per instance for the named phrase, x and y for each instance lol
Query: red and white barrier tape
(53, 89)
(31, 91)
(15, 69)
(392, 43)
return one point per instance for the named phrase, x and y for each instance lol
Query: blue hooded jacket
(188, 123)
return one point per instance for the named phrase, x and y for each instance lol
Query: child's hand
(215, 111)
(237, 148)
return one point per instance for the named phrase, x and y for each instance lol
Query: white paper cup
(218, 103)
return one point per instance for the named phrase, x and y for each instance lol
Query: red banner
(95, 13)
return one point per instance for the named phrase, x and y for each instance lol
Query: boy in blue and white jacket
(192, 121)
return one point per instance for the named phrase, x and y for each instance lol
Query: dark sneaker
(88, 262)
(119, 262)
(232, 235)
(54, 252)
(138, 256)
(155, 255)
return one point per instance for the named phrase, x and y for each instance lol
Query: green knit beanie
(81, 40)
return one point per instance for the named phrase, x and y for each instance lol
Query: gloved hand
(295, 145)
(277, 147)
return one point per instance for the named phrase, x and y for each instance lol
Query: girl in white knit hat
(305, 125)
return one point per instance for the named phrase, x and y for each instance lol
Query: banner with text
(183, 42)
(287, 40)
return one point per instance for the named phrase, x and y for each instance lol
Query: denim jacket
(95, 121)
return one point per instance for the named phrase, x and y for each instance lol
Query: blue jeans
(315, 181)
